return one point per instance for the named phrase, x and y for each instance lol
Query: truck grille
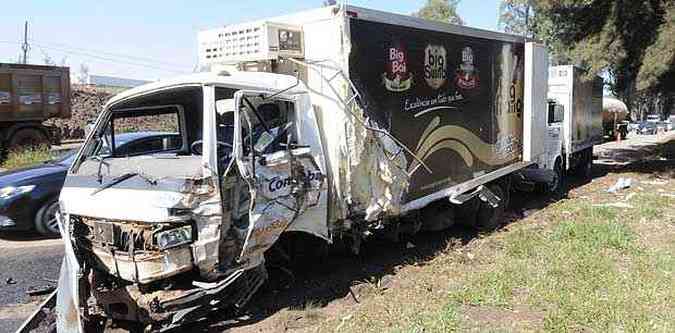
(113, 235)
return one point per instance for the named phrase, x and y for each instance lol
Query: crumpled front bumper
(125, 250)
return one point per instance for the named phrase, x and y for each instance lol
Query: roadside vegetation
(26, 157)
(594, 261)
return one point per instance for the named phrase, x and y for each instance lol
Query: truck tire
(27, 136)
(490, 218)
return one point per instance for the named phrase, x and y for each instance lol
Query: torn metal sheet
(375, 175)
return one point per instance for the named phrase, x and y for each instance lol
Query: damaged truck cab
(161, 234)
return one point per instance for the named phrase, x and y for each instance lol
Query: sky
(150, 39)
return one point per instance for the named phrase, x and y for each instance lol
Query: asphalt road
(26, 262)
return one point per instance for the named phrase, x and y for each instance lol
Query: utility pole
(25, 47)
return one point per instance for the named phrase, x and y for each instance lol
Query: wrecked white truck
(388, 124)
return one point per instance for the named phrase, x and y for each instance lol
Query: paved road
(30, 262)
(635, 148)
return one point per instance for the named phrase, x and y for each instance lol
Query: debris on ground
(621, 184)
(343, 321)
(40, 290)
(87, 102)
(410, 245)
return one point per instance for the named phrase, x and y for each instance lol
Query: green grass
(575, 266)
(588, 272)
(444, 320)
(26, 157)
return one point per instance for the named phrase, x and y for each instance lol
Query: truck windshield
(154, 125)
(142, 131)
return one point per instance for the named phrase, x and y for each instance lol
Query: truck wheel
(45, 219)
(490, 218)
(27, 136)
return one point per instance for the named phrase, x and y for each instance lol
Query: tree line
(630, 43)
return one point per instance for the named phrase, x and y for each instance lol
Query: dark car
(29, 196)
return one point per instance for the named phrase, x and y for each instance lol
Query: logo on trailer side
(397, 78)
(467, 75)
(435, 66)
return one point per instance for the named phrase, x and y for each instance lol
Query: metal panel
(418, 23)
(534, 114)
(31, 88)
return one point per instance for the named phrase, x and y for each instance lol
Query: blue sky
(148, 39)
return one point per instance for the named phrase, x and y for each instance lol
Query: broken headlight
(167, 239)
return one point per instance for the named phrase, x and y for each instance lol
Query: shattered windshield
(269, 124)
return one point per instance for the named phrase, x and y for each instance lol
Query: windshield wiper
(122, 178)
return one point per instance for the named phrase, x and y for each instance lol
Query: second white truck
(574, 121)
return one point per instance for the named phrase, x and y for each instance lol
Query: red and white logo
(467, 75)
(397, 78)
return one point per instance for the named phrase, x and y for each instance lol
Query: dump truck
(29, 95)
(574, 120)
(327, 126)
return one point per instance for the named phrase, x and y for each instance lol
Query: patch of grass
(304, 316)
(585, 272)
(650, 207)
(26, 157)
(572, 267)
(444, 320)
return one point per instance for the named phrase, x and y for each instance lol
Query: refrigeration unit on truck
(29, 95)
(387, 124)
(574, 120)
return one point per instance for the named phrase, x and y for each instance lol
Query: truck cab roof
(234, 79)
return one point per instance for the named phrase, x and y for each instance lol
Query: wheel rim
(49, 220)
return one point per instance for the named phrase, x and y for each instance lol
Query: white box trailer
(574, 118)
(388, 116)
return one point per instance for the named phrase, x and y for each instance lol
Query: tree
(517, 17)
(631, 40)
(440, 10)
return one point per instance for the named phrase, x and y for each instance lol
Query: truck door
(285, 180)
